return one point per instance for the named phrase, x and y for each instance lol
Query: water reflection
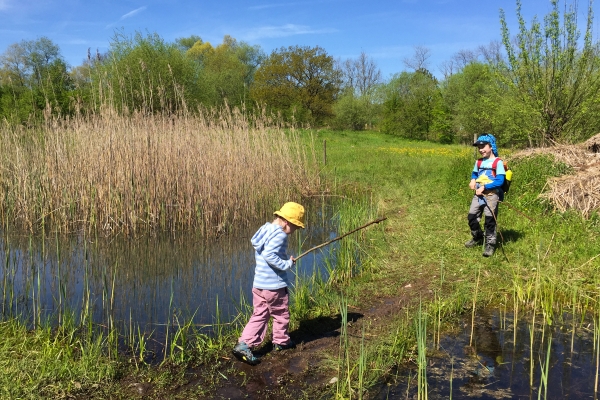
(144, 281)
(507, 361)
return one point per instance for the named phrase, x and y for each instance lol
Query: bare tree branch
(419, 60)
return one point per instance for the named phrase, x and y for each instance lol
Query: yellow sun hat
(292, 212)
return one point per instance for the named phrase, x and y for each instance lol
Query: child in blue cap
(487, 178)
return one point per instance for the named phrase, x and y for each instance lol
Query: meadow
(546, 266)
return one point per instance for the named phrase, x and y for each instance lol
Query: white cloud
(284, 30)
(130, 13)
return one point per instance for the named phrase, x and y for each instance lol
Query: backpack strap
(494, 165)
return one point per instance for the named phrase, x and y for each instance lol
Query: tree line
(536, 87)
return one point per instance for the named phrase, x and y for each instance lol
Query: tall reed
(122, 173)
(421, 335)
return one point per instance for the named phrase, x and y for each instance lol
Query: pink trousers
(268, 303)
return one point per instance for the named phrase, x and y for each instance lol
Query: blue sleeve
(475, 172)
(274, 252)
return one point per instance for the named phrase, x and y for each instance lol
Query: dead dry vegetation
(115, 173)
(579, 191)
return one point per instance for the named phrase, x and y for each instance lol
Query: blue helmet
(487, 138)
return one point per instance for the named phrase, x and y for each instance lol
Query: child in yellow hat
(270, 287)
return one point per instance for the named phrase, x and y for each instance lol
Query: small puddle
(502, 360)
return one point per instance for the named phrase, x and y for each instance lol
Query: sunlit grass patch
(447, 151)
(43, 363)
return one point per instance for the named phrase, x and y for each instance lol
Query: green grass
(547, 265)
(49, 364)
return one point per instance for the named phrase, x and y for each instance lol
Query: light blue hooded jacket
(270, 245)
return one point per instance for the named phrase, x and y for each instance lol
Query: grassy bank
(547, 263)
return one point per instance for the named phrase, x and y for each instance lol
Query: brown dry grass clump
(120, 173)
(581, 190)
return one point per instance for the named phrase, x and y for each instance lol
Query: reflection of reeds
(124, 173)
(473, 308)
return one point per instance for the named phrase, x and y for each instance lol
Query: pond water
(148, 281)
(507, 361)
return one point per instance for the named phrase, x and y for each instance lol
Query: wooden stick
(517, 210)
(339, 237)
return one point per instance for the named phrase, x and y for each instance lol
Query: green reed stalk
(439, 321)
(421, 334)
(597, 345)
(60, 306)
(515, 310)
(33, 298)
(362, 364)
(5, 276)
(176, 350)
(573, 318)
(545, 367)
(532, 326)
(344, 382)
(168, 328)
(141, 342)
(451, 376)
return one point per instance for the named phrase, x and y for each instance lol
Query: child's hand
(293, 259)
(473, 184)
(480, 190)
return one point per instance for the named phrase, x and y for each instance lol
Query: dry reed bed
(123, 173)
(580, 191)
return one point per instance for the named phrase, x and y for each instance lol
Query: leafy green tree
(187, 43)
(227, 70)
(300, 82)
(351, 112)
(146, 73)
(554, 75)
(472, 96)
(34, 77)
(409, 102)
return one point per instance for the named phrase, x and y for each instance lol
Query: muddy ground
(300, 373)
(309, 370)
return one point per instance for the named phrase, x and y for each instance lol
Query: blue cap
(487, 138)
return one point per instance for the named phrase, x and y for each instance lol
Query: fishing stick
(339, 237)
(517, 210)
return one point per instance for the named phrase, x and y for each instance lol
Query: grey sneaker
(288, 345)
(489, 250)
(473, 243)
(243, 353)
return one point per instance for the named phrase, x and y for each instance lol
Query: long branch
(340, 237)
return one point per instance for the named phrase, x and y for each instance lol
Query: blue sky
(387, 31)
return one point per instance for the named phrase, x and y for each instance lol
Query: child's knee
(472, 218)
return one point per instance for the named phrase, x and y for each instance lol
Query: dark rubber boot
(489, 250)
(474, 243)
